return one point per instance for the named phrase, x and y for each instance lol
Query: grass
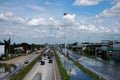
(21, 74)
(86, 71)
(63, 73)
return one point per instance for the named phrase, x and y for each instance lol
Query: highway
(21, 59)
(48, 71)
(19, 62)
(42, 72)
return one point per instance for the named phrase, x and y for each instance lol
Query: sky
(43, 21)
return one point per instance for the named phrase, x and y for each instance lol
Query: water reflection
(111, 71)
(74, 72)
(8, 68)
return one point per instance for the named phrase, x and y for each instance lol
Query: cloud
(7, 32)
(35, 7)
(38, 22)
(5, 16)
(2, 17)
(86, 2)
(8, 17)
(47, 3)
(92, 28)
(41, 22)
(69, 20)
(18, 20)
(114, 1)
(112, 12)
(96, 19)
(46, 28)
(8, 14)
(71, 23)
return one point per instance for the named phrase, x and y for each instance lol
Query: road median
(21, 74)
(63, 73)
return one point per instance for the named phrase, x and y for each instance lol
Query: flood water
(74, 72)
(7, 70)
(110, 71)
(8, 67)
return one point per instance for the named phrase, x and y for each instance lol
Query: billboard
(2, 50)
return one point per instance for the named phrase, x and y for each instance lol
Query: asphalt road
(19, 62)
(21, 59)
(41, 72)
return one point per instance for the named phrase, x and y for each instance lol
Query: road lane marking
(54, 70)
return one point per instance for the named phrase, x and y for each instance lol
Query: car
(50, 61)
(44, 54)
(42, 63)
(26, 62)
(48, 57)
(47, 54)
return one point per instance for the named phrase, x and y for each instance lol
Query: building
(2, 51)
(116, 46)
(19, 50)
(116, 50)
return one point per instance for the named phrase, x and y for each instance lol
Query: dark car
(44, 55)
(42, 63)
(26, 62)
(50, 61)
(48, 57)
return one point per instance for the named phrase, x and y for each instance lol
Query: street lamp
(64, 35)
(56, 38)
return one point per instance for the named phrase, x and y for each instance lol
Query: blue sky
(40, 21)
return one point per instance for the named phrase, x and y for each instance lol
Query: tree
(75, 44)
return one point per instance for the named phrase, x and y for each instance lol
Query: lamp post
(64, 35)
(56, 38)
